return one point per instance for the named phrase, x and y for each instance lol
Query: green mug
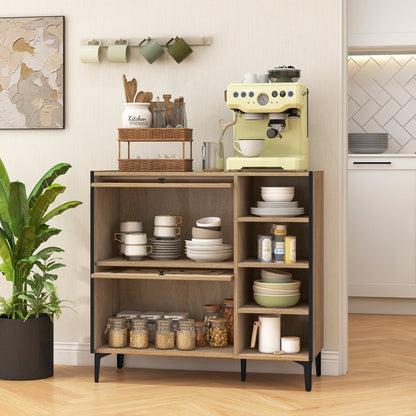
(178, 50)
(151, 50)
(119, 51)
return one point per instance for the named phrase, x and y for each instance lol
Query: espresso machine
(275, 111)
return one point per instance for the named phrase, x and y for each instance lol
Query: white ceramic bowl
(131, 227)
(264, 291)
(198, 232)
(206, 240)
(209, 222)
(278, 188)
(168, 220)
(294, 284)
(280, 276)
(277, 197)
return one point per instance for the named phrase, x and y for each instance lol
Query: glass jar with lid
(164, 336)
(129, 315)
(139, 333)
(185, 337)
(175, 316)
(218, 332)
(117, 332)
(152, 317)
(229, 315)
(209, 312)
(200, 334)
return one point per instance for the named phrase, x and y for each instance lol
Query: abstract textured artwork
(32, 72)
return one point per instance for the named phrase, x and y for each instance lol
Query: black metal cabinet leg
(318, 364)
(120, 360)
(97, 361)
(307, 371)
(243, 363)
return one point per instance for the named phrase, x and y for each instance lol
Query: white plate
(277, 212)
(207, 240)
(209, 258)
(288, 204)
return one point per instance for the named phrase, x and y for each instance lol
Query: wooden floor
(381, 381)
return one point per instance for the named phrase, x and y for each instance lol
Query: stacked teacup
(207, 242)
(166, 226)
(167, 245)
(133, 242)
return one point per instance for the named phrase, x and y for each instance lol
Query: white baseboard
(73, 353)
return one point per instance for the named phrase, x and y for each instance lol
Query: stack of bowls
(276, 289)
(367, 142)
(277, 202)
(166, 227)
(207, 242)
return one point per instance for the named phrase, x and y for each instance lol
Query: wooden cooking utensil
(133, 89)
(139, 97)
(126, 89)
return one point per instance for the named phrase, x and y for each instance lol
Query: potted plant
(26, 318)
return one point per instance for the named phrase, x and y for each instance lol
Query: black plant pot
(26, 348)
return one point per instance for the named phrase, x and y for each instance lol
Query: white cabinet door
(382, 230)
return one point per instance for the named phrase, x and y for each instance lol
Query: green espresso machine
(276, 112)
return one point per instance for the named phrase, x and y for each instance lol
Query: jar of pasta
(185, 336)
(117, 332)
(164, 336)
(139, 334)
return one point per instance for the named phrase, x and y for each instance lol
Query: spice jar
(117, 332)
(278, 232)
(152, 317)
(218, 332)
(210, 311)
(139, 334)
(185, 337)
(200, 334)
(164, 337)
(229, 315)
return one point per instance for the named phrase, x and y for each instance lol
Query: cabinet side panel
(318, 261)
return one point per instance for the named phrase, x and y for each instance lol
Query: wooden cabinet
(118, 284)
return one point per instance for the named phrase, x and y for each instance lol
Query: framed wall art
(32, 72)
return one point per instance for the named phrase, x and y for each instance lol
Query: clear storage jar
(176, 316)
(200, 334)
(218, 332)
(164, 336)
(139, 334)
(185, 337)
(129, 315)
(152, 317)
(117, 332)
(229, 315)
(209, 312)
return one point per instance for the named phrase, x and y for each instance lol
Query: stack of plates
(277, 203)
(166, 249)
(367, 142)
(208, 250)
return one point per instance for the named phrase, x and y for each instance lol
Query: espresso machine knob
(272, 133)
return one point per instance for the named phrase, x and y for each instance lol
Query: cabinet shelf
(181, 263)
(162, 185)
(300, 264)
(253, 354)
(252, 218)
(253, 308)
(166, 274)
(226, 352)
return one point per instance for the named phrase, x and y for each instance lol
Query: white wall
(247, 37)
(381, 22)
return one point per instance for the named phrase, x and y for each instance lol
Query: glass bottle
(210, 311)
(164, 337)
(185, 337)
(229, 315)
(278, 232)
(200, 334)
(117, 332)
(218, 332)
(139, 334)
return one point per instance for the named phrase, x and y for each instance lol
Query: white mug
(92, 52)
(249, 147)
(167, 232)
(250, 78)
(131, 227)
(168, 220)
(137, 249)
(131, 238)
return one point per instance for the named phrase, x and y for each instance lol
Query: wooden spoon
(148, 96)
(133, 89)
(139, 97)
(126, 89)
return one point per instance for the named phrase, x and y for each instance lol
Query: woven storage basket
(155, 165)
(155, 134)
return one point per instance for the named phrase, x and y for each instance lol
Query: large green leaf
(25, 244)
(7, 256)
(46, 252)
(60, 210)
(44, 234)
(18, 207)
(46, 180)
(42, 204)
(4, 202)
(4, 175)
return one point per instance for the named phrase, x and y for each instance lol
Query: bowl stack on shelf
(276, 289)
(207, 242)
(367, 143)
(277, 202)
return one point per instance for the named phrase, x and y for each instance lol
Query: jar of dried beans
(218, 332)
(229, 315)
(117, 332)
(185, 336)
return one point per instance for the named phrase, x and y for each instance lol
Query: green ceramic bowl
(293, 284)
(276, 301)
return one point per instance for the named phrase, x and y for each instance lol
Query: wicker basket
(171, 134)
(155, 165)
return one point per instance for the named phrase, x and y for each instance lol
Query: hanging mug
(178, 50)
(151, 50)
(92, 52)
(119, 51)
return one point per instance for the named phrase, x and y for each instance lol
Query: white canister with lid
(136, 115)
(268, 327)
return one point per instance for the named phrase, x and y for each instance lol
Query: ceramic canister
(136, 115)
(269, 333)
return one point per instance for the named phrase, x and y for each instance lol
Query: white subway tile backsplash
(382, 98)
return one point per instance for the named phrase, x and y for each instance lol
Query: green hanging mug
(151, 50)
(178, 50)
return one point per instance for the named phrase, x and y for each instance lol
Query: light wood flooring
(381, 381)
